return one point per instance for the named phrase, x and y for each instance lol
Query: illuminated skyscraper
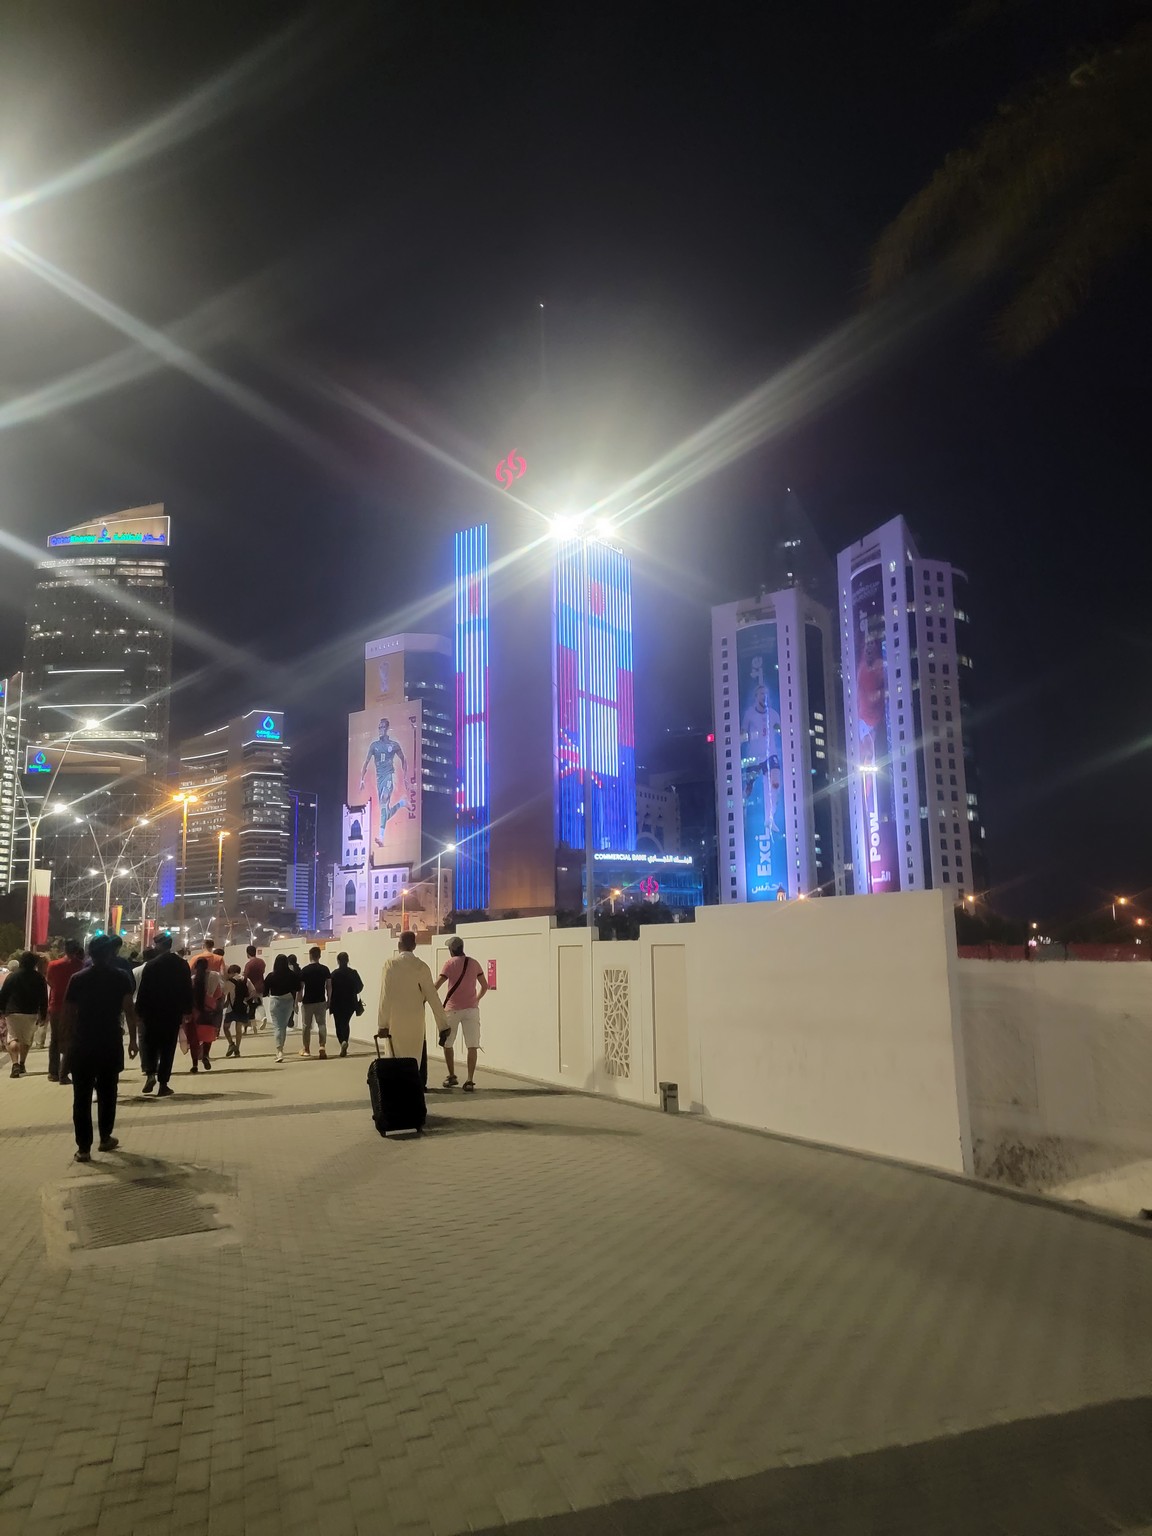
(97, 682)
(238, 773)
(595, 726)
(777, 747)
(907, 668)
(302, 853)
(544, 714)
(398, 818)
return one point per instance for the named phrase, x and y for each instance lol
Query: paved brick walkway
(552, 1313)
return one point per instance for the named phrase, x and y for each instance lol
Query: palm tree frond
(1062, 154)
(1095, 236)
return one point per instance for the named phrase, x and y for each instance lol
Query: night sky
(374, 207)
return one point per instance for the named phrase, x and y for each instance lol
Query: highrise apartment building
(913, 792)
(302, 852)
(777, 747)
(239, 825)
(97, 679)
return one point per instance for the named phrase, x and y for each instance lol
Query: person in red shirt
(254, 969)
(60, 973)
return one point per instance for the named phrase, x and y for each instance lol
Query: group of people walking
(91, 1005)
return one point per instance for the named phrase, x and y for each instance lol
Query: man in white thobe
(406, 988)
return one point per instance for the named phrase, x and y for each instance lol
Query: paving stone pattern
(550, 1313)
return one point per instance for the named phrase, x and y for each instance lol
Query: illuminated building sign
(36, 762)
(509, 470)
(873, 749)
(592, 671)
(655, 860)
(761, 754)
(473, 797)
(267, 730)
(149, 526)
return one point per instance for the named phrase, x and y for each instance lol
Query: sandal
(469, 1086)
(451, 1082)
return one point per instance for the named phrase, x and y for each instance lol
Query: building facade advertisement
(873, 744)
(758, 687)
(143, 525)
(384, 773)
(594, 730)
(473, 780)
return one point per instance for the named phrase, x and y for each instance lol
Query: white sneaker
(279, 1055)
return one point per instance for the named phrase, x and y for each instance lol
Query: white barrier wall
(833, 1020)
(1060, 1077)
(830, 1020)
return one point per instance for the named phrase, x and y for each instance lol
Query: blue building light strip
(473, 798)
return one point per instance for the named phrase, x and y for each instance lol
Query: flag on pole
(41, 893)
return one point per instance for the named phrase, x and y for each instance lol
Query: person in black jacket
(163, 998)
(96, 1001)
(24, 1003)
(346, 989)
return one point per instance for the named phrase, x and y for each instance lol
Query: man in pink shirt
(466, 986)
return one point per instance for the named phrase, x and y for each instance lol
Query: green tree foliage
(11, 940)
(1053, 192)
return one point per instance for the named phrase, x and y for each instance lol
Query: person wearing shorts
(316, 993)
(24, 1003)
(466, 983)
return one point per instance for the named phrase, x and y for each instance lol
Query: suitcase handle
(383, 1035)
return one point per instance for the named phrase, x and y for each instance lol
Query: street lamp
(185, 800)
(616, 891)
(220, 836)
(447, 848)
(404, 909)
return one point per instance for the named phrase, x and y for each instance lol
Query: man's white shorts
(469, 1021)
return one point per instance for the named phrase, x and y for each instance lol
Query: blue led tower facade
(544, 706)
(595, 725)
(473, 768)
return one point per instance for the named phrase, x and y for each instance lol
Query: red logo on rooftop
(509, 470)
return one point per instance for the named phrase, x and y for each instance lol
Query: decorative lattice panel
(617, 1022)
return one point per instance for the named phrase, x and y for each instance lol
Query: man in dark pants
(163, 998)
(92, 1007)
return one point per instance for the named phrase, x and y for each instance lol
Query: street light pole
(185, 800)
(220, 836)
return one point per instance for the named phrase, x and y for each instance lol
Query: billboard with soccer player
(384, 770)
(758, 691)
(873, 743)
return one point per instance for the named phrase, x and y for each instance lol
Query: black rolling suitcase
(396, 1092)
